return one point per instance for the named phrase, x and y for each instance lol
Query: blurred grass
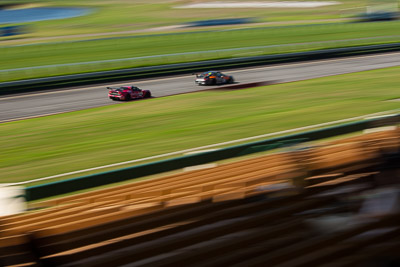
(67, 142)
(120, 17)
(302, 38)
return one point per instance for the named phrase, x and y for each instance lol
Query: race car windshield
(208, 73)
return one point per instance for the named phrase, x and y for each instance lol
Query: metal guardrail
(104, 178)
(162, 70)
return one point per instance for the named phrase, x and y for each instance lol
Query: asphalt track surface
(23, 106)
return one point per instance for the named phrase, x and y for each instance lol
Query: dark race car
(127, 93)
(213, 78)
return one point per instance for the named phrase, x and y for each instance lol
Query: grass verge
(67, 142)
(42, 60)
(119, 25)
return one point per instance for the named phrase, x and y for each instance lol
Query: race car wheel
(148, 95)
(213, 82)
(230, 80)
(128, 97)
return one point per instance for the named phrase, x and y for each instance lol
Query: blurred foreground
(335, 204)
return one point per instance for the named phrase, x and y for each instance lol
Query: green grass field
(303, 38)
(120, 15)
(67, 142)
(126, 16)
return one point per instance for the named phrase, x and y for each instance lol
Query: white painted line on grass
(383, 113)
(246, 49)
(258, 4)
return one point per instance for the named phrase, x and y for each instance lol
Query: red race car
(127, 93)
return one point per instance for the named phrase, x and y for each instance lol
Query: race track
(17, 107)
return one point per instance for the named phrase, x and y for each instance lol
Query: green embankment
(127, 18)
(277, 41)
(67, 142)
(121, 16)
